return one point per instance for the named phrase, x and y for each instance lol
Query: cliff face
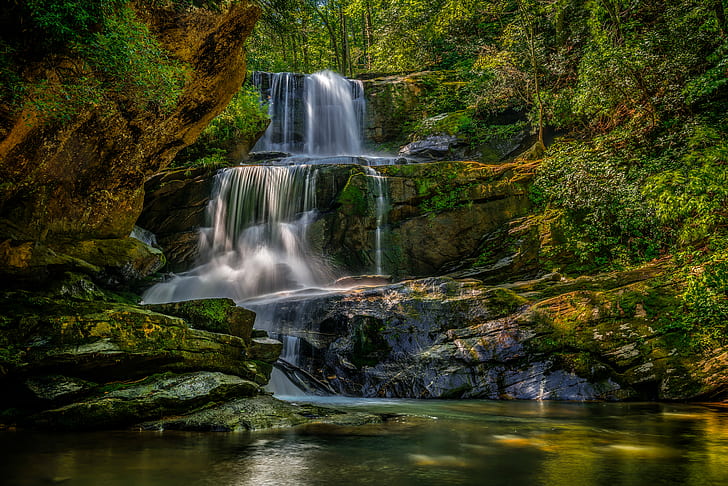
(83, 178)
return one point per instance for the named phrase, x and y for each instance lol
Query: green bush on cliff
(127, 53)
(606, 220)
(113, 57)
(693, 196)
(244, 119)
(706, 301)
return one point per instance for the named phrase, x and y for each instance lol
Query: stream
(437, 442)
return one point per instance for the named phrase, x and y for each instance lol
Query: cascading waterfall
(316, 115)
(254, 246)
(256, 241)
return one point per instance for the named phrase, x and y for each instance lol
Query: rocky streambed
(592, 338)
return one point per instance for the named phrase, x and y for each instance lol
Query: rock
(54, 388)
(265, 349)
(592, 338)
(363, 280)
(175, 206)
(160, 395)
(121, 260)
(215, 315)
(82, 180)
(441, 217)
(432, 147)
(395, 102)
(262, 412)
(114, 341)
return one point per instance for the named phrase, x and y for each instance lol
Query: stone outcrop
(440, 217)
(74, 363)
(83, 179)
(398, 115)
(592, 338)
(175, 205)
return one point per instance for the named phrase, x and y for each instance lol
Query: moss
(504, 301)
(370, 347)
(352, 197)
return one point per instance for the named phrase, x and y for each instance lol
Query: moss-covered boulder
(123, 404)
(88, 361)
(215, 315)
(439, 217)
(256, 413)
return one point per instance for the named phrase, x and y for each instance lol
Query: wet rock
(265, 349)
(111, 340)
(121, 260)
(56, 387)
(441, 217)
(592, 338)
(256, 413)
(215, 315)
(433, 147)
(175, 205)
(155, 396)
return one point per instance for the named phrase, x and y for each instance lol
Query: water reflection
(438, 442)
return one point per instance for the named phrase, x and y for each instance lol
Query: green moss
(352, 197)
(503, 302)
(370, 347)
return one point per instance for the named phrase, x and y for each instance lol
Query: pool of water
(437, 442)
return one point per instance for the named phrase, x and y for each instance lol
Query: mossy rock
(214, 315)
(159, 395)
(124, 259)
(257, 413)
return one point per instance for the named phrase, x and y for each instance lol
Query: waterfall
(379, 189)
(317, 114)
(255, 243)
(253, 248)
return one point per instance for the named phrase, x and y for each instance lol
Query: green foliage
(63, 21)
(606, 220)
(244, 119)
(116, 59)
(693, 197)
(127, 53)
(706, 300)
(353, 197)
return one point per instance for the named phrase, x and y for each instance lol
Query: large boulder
(439, 216)
(175, 205)
(83, 179)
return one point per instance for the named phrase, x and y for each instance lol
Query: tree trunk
(332, 35)
(368, 34)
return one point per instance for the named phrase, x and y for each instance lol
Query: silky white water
(320, 114)
(254, 248)
(255, 243)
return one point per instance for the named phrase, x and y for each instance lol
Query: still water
(438, 442)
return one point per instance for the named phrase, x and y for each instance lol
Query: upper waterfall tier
(316, 114)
